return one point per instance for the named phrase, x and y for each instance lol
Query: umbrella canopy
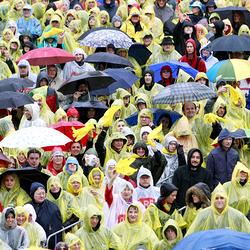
(10, 99)
(231, 43)
(184, 92)
(241, 134)
(140, 53)
(34, 137)
(104, 57)
(47, 56)
(15, 84)
(230, 70)
(220, 239)
(123, 79)
(175, 66)
(94, 79)
(227, 12)
(101, 37)
(27, 176)
(157, 114)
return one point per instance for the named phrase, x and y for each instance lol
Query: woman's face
(9, 182)
(75, 149)
(172, 146)
(19, 5)
(76, 246)
(221, 111)
(7, 36)
(12, 163)
(10, 220)
(171, 198)
(120, 126)
(196, 198)
(21, 157)
(236, 17)
(140, 151)
(76, 185)
(133, 215)
(39, 195)
(97, 179)
(72, 167)
(20, 219)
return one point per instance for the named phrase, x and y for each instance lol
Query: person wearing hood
(24, 71)
(133, 232)
(65, 201)
(78, 66)
(48, 213)
(244, 30)
(171, 235)
(190, 174)
(71, 167)
(104, 19)
(197, 12)
(110, 7)
(16, 10)
(55, 78)
(94, 234)
(16, 237)
(129, 134)
(31, 117)
(11, 193)
(29, 24)
(238, 189)
(191, 57)
(219, 215)
(15, 49)
(222, 160)
(163, 10)
(159, 213)
(146, 192)
(166, 76)
(74, 242)
(197, 198)
(208, 57)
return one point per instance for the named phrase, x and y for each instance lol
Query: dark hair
(183, 106)
(34, 151)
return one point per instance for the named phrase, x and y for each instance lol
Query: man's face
(148, 78)
(161, 3)
(189, 110)
(135, 19)
(220, 202)
(27, 114)
(170, 234)
(147, 41)
(126, 100)
(83, 88)
(118, 144)
(94, 220)
(26, 13)
(167, 47)
(23, 71)
(195, 159)
(58, 159)
(190, 48)
(33, 159)
(227, 143)
(144, 120)
(145, 180)
(126, 193)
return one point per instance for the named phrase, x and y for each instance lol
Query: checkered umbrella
(184, 92)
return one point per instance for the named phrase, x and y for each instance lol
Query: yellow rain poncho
(238, 194)
(164, 243)
(65, 202)
(15, 54)
(104, 14)
(60, 115)
(71, 240)
(76, 29)
(16, 196)
(99, 239)
(135, 235)
(38, 10)
(13, 13)
(210, 218)
(5, 36)
(47, 16)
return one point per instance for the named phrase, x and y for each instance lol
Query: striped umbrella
(184, 92)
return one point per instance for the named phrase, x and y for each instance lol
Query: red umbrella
(47, 56)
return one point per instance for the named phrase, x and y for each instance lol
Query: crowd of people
(117, 186)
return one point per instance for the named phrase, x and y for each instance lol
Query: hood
(190, 153)
(210, 52)
(214, 14)
(166, 189)
(87, 5)
(218, 104)
(128, 131)
(142, 97)
(71, 12)
(71, 180)
(3, 224)
(194, 44)
(244, 30)
(124, 185)
(144, 171)
(15, 40)
(71, 239)
(7, 30)
(140, 216)
(229, 27)
(52, 181)
(145, 112)
(168, 139)
(237, 169)
(30, 210)
(90, 211)
(173, 224)
(219, 191)
(134, 11)
(24, 62)
(149, 10)
(225, 133)
(115, 136)
(41, 75)
(60, 113)
(21, 210)
(140, 144)
(121, 93)
(73, 160)
(34, 109)
(145, 129)
(93, 172)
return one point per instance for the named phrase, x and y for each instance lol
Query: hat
(167, 41)
(140, 101)
(27, 7)
(72, 111)
(196, 4)
(57, 151)
(23, 63)
(34, 187)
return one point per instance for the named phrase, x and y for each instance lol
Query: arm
(158, 163)
(99, 146)
(210, 167)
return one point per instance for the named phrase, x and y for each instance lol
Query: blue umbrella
(123, 79)
(220, 239)
(212, 72)
(175, 66)
(157, 113)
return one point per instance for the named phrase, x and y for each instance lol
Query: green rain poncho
(209, 218)
(99, 239)
(239, 194)
(164, 243)
(137, 234)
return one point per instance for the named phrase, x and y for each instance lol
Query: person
(33, 159)
(16, 237)
(163, 10)
(90, 160)
(159, 213)
(208, 57)
(197, 198)
(197, 12)
(238, 189)
(133, 232)
(94, 234)
(166, 76)
(222, 160)
(171, 235)
(74, 242)
(48, 213)
(145, 192)
(190, 174)
(11, 194)
(191, 57)
(219, 215)
(55, 77)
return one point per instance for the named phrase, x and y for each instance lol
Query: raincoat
(164, 14)
(14, 197)
(165, 243)
(210, 218)
(239, 193)
(13, 13)
(4, 71)
(16, 237)
(15, 54)
(99, 239)
(71, 239)
(65, 201)
(135, 235)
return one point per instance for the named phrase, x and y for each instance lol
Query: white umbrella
(33, 137)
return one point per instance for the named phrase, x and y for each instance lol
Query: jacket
(164, 14)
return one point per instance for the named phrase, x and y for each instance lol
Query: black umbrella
(10, 99)
(94, 79)
(82, 107)
(228, 12)
(15, 84)
(105, 57)
(140, 53)
(231, 43)
(27, 176)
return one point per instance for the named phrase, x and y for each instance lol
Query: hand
(97, 163)
(112, 177)
(222, 89)
(60, 38)
(76, 96)
(93, 192)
